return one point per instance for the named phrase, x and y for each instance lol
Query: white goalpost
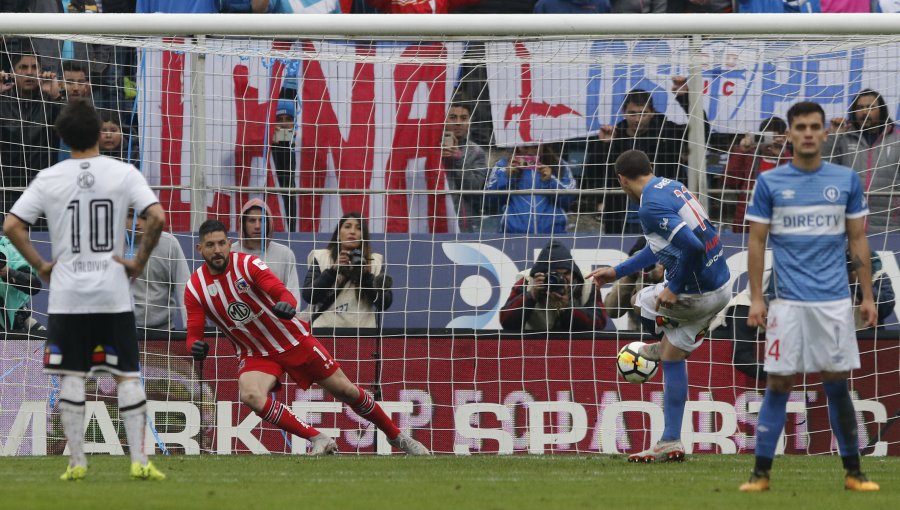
(318, 116)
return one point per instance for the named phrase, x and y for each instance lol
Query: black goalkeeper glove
(284, 310)
(199, 350)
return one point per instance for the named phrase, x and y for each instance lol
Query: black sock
(764, 464)
(851, 463)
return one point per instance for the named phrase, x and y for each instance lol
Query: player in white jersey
(91, 323)
(681, 238)
(808, 210)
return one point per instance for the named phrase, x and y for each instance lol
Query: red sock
(282, 417)
(366, 407)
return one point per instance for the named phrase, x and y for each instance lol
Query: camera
(356, 257)
(557, 283)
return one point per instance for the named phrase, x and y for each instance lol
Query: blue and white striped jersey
(666, 207)
(807, 214)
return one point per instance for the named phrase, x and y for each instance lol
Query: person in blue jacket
(535, 167)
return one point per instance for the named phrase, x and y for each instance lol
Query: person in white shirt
(91, 324)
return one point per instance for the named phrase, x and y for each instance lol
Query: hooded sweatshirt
(522, 312)
(280, 259)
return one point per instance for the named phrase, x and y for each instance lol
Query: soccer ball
(634, 367)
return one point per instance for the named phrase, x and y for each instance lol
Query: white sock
(133, 412)
(71, 410)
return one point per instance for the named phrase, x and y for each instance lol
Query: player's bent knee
(253, 399)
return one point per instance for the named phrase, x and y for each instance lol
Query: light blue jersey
(667, 207)
(807, 215)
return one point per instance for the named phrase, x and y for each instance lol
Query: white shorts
(687, 321)
(807, 337)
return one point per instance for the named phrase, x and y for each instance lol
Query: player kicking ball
(810, 212)
(681, 238)
(253, 309)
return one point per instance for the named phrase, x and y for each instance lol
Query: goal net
(466, 155)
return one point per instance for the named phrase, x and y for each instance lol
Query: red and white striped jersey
(239, 302)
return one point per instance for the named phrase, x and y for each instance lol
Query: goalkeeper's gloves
(284, 310)
(199, 350)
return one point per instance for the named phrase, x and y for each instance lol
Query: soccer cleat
(663, 451)
(409, 445)
(74, 473)
(148, 472)
(857, 481)
(323, 445)
(758, 482)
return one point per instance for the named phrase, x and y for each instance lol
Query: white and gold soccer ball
(634, 367)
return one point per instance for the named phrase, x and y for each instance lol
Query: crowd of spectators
(38, 76)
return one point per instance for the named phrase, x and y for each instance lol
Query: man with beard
(868, 142)
(253, 309)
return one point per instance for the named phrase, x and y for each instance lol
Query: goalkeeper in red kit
(253, 309)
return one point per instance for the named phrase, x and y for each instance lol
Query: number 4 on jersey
(774, 349)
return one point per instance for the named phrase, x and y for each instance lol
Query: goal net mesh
(465, 158)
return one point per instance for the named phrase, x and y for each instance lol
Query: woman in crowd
(345, 285)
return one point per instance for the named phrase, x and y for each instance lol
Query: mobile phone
(526, 161)
(767, 138)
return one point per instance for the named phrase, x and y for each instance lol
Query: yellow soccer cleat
(148, 472)
(758, 482)
(74, 473)
(860, 482)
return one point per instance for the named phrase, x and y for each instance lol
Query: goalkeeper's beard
(218, 264)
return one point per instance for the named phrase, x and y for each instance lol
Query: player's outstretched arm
(17, 232)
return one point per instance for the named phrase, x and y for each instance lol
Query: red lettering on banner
(529, 108)
(255, 126)
(416, 138)
(172, 134)
(728, 88)
(321, 134)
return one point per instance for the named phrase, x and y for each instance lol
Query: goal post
(320, 115)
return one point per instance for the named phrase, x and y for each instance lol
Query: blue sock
(842, 415)
(675, 392)
(771, 423)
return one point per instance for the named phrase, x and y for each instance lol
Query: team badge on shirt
(832, 193)
(213, 289)
(242, 285)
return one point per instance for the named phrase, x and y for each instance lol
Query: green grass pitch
(459, 483)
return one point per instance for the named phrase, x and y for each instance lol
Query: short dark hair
(639, 97)
(78, 124)
(210, 226)
(73, 66)
(111, 116)
(773, 125)
(15, 58)
(466, 105)
(633, 164)
(804, 108)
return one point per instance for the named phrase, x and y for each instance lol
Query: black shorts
(84, 343)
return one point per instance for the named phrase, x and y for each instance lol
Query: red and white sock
(282, 417)
(366, 407)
